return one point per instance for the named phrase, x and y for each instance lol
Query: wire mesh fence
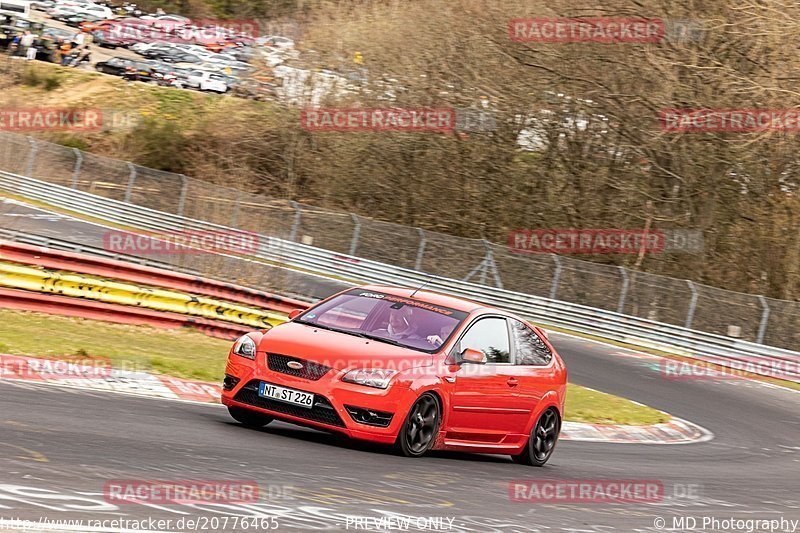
(649, 296)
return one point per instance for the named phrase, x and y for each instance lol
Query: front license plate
(282, 394)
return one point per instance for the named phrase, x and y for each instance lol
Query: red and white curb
(90, 377)
(676, 431)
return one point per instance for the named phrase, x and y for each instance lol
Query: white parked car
(102, 12)
(275, 41)
(79, 7)
(206, 80)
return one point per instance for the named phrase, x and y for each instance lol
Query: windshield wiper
(377, 338)
(320, 326)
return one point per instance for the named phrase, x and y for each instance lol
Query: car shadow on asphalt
(313, 435)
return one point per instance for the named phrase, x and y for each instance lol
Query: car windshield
(407, 322)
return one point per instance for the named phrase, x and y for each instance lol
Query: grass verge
(189, 354)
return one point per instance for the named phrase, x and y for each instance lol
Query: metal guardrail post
(692, 304)
(31, 156)
(623, 293)
(76, 172)
(131, 180)
(296, 223)
(356, 233)
(182, 198)
(421, 250)
(762, 327)
(556, 276)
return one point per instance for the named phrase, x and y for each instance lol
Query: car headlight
(245, 346)
(370, 377)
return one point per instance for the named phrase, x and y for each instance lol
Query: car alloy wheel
(421, 426)
(248, 418)
(542, 440)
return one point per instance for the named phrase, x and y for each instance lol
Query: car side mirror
(294, 313)
(474, 357)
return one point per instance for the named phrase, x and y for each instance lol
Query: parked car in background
(108, 39)
(42, 5)
(115, 66)
(275, 41)
(57, 34)
(206, 80)
(80, 18)
(102, 12)
(60, 12)
(101, 24)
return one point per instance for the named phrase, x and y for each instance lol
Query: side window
(489, 335)
(529, 348)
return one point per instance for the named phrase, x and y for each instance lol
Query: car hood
(339, 350)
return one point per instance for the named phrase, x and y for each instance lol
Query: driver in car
(403, 326)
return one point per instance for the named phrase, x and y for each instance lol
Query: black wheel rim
(545, 435)
(422, 423)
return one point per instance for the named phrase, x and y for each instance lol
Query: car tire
(249, 418)
(419, 431)
(542, 440)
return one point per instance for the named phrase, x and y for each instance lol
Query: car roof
(436, 298)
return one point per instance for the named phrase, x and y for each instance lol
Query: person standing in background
(26, 42)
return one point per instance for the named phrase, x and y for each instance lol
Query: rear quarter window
(529, 348)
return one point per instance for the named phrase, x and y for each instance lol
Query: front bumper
(332, 397)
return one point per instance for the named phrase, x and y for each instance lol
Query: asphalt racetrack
(59, 446)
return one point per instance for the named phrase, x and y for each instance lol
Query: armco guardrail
(160, 276)
(77, 285)
(548, 312)
(120, 314)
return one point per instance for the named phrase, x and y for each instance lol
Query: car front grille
(311, 370)
(322, 411)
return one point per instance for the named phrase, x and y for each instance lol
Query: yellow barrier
(75, 285)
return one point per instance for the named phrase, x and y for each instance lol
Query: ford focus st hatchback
(414, 369)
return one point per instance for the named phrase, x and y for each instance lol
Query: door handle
(512, 382)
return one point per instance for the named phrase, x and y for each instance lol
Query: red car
(415, 369)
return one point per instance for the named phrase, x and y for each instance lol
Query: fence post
(31, 156)
(356, 233)
(235, 214)
(491, 265)
(296, 222)
(762, 327)
(182, 198)
(421, 250)
(692, 304)
(77, 171)
(623, 293)
(131, 180)
(556, 276)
